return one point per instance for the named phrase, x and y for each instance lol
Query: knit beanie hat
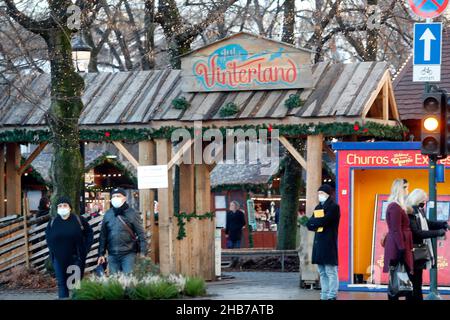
(64, 199)
(325, 188)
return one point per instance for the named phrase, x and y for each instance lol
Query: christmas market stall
(238, 83)
(365, 172)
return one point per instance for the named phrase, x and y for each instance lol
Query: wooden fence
(22, 242)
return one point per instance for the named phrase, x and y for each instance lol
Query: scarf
(424, 227)
(120, 210)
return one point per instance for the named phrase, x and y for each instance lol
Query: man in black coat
(325, 223)
(234, 224)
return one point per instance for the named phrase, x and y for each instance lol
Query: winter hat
(64, 199)
(325, 188)
(119, 190)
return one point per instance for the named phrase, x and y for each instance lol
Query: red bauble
(270, 128)
(356, 127)
(107, 134)
(366, 130)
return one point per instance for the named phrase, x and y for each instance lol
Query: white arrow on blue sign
(427, 52)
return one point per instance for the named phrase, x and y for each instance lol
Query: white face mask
(322, 198)
(116, 202)
(63, 212)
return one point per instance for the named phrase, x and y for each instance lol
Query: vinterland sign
(246, 62)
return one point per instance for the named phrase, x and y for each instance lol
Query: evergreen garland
(180, 103)
(229, 109)
(368, 129)
(181, 217)
(293, 101)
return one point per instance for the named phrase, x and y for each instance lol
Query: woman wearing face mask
(325, 223)
(69, 239)
(398, 244)
(423, 231)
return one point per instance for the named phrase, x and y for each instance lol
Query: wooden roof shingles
(143, 96)
(409, 94)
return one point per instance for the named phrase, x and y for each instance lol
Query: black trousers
(417, 280)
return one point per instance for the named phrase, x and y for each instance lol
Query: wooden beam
(314, 146)
(392, 101)
(386, 101)
(329, 152)
(180, 153)
(126, 153)
(293, 151)
(369, 104)
(2, 180)
(31, 158)
(147, 156)
(165, 202)
(13, 184)
(25, 231)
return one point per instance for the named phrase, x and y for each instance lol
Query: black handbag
(421, 253)
(399, 282)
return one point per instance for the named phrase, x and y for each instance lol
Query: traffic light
(433, 135)
(446, 124)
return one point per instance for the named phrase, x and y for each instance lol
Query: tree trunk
(290, 192)
(372, 35)
(289, 22)
(65, 110)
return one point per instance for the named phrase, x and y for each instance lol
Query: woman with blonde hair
(422, 230)
(399, 244)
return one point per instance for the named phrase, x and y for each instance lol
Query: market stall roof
(409, 93)
(341, 92)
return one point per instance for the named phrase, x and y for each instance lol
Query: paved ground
(245, 286)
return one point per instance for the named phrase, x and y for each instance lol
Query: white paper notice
(153, 177)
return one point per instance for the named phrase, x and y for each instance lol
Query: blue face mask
(322, 198)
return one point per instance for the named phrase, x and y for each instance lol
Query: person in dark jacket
(423, 231)
(235, 222)
(399, 243)
(122, 235)
(325, 248)
(43, 208)
(69, 239)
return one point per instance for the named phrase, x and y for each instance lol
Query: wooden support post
(13, 185)
(2, 180)
(313, 181)
(147, 157)
(25, 231)
(126, 153)
(185, 250)
(32, 156)
(165, 201)
(206, 257)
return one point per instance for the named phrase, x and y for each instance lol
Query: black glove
(441, 232)
(401, 256)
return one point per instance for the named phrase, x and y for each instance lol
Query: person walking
(69, 239)
(235, 222)
(122, 235)
(398, 244)
(325, 223)
(43, 208)
(423, 231)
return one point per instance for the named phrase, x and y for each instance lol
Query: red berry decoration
(365, 130)
(107, 134)
(356, 127)
(270, 128)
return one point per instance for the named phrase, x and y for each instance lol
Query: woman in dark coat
(398, 244)
(325, 248)
(423, 230)
(69, 239)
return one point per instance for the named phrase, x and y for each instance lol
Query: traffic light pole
(432, 204)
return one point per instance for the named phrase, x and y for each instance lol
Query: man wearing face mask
(69, 239)
(122, 235)
(325, 223)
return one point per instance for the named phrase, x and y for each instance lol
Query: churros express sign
(243, 63)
